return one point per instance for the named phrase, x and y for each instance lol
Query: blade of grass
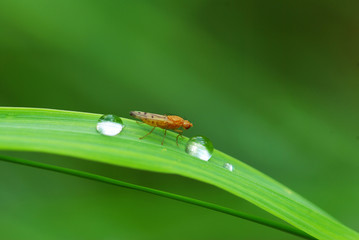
(74, 134)
(215, 207)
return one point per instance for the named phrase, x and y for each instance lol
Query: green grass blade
(215, 207)
(74, 134)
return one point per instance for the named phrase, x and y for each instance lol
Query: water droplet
(109, 125)
(200, 147)
(228, 166)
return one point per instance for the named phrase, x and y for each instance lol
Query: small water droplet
(109, 125)
(228, 166)
(200, 147)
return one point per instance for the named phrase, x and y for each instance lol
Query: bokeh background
(272, 83)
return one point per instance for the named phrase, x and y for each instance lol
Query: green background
(274, 84)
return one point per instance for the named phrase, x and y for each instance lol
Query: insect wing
(154, 117)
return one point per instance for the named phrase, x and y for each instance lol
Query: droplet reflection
(109, 125)
(200, 147)
(228, 166)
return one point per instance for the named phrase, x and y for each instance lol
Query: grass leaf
(74, 134)
(215, 207)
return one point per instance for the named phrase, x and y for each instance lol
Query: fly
(165, 122)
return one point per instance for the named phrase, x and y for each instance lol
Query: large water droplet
(109, 125)
(200, 147)
(228, 166)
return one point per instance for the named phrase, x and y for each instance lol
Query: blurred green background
(272, 83)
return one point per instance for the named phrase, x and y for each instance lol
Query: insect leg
(148, 133)
(177, 139)
(179, 134)
(164, 136)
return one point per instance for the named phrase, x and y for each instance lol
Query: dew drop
(109, 125)
(228, 166)
(200, 147)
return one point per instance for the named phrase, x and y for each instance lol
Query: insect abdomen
(152, 122)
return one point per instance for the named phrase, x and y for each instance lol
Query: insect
(165, 122)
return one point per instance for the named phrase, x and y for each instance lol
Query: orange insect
(162, 121)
